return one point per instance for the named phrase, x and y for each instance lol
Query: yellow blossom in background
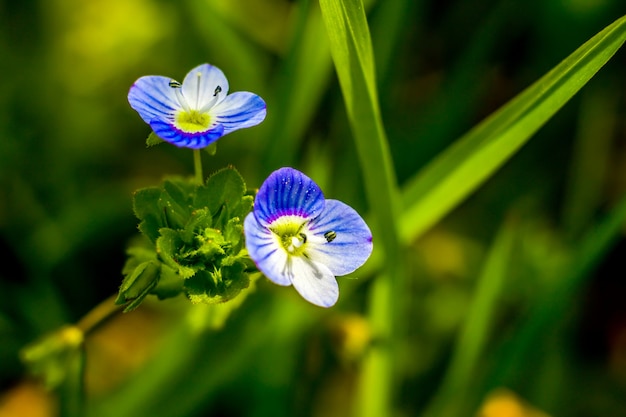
(505, 403)
(97, 40)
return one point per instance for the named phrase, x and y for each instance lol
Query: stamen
(181, 99)
(330, 236)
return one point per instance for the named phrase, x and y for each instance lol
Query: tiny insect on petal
(297, 237)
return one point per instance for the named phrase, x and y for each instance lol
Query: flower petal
(341, 239)
(166, 130)
(314, 281)
(287, 192)
(265, 251)
(203, 85)
(239, 110)
(153, 98)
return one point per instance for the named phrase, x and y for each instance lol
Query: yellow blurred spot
(505, 403)
(445, 255)
(351, 335)
(28, 399)
(72, 336)
(118, 349)
(94, 41)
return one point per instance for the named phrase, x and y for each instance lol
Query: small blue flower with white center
(197, 112)
(297, 237)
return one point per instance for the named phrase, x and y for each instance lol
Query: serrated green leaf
(233, 233)
(225, 188)
(168, 246)
(150, 226)
(200, 219)
(243, 208)
(145, 201)
(212, 244)
(217, 287)
(180, 191)
(170, 284)
(146, 208)
(175, 203)
(202, 288)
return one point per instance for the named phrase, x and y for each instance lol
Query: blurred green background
(72, 151)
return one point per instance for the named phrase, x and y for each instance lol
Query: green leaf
(170, 284)
(146, 209)
(200, 219)
(145, 201)
(233, 233)
(223, 189)
(168, 246)
(211, 149)
(353, 57)
(138, 253)
(175, 202)
(139, 282)
(219, 286)
(212, 243)
(153, 139)
(352, 54)
(243, 208)
(452, 176)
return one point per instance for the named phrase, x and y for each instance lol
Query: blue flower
(197, 112)
(296, 237)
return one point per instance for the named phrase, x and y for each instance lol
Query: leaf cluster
(192, 241)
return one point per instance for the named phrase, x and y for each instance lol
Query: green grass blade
(354, 62)
(459, 170)
(352, 54)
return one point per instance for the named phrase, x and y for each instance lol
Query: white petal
(313, 281)
(203, 85)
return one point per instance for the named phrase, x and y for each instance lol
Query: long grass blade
(459, 170)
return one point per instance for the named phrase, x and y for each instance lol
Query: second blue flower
(197, 112)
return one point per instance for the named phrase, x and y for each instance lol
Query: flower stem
(197, 162)
(98, 315)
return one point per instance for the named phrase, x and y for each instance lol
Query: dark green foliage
(194, 241)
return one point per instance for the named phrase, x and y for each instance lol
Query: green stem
(98, 315)
(197, 163)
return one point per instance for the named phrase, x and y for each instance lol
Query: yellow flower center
(289, 232)
(192, 121)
